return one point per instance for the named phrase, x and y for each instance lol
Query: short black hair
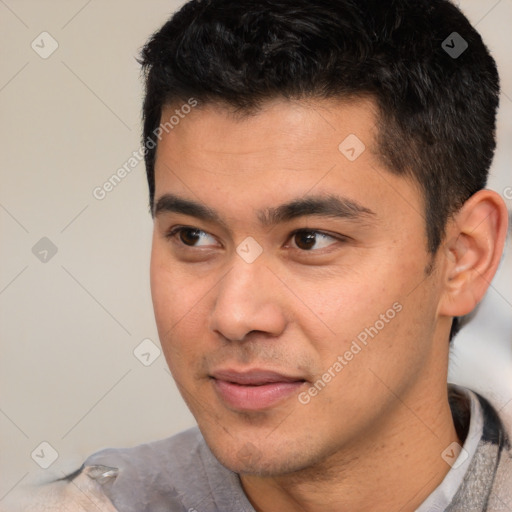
(437, 101)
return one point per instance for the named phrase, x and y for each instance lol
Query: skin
(372, 438)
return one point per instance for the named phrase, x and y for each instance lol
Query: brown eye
(307, 240)
(190, 236)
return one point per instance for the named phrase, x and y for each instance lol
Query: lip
(254, 389)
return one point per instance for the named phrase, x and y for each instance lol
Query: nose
(247, 300)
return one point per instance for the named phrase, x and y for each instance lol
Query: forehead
(280, 128)
(286, 150)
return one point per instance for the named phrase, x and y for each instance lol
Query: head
(327, 160)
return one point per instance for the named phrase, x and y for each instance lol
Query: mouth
(254, 389)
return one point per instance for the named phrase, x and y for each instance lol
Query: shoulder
(493, 459)
(151, 474)
(177, 474)
(178, 450)
(82, 494)
(135, 479)
(501, 495)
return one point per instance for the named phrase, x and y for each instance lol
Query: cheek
(343, 302)
(379, 308)
(180, 304)
(172, 291)
(163, 292)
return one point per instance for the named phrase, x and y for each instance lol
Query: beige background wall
(69, 324)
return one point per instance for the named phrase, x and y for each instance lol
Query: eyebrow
(321, 206)
(324, 206)
(169, 203)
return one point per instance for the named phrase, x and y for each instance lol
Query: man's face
(291, 330)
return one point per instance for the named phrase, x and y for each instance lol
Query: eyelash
(178, 229)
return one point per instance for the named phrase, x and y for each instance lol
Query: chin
(254, 463)
(259, 458)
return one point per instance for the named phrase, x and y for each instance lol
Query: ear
(473, 246)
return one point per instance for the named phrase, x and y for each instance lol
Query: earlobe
(473, 245)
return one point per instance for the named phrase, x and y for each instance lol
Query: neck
(393, 466)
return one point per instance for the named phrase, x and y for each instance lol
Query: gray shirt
(181, 474)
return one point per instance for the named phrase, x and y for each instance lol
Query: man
(316, 173)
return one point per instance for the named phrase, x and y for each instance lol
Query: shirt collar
(443, 495)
